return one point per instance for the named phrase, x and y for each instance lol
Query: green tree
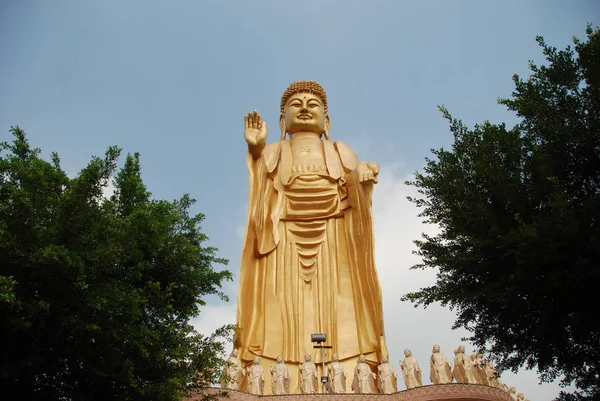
(96, 294)
(518, 250)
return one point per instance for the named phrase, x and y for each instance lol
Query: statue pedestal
(440, 392)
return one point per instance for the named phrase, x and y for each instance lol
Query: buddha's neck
(305, 137)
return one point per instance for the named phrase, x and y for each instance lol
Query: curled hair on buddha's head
(304, 87)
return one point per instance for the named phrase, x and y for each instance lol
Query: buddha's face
(304, 112)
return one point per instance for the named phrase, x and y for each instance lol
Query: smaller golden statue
(388, 379)
(308, 376)
(364, 378)
(493, 378)
(337, 376)
(440, 369)
(231, 379)
(280, 378)
(256, 377)
(463, 367)
(410, 370)
(479, 369)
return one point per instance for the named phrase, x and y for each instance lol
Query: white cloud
(108, 190)
(214, 316)
(240, 232)
(396, 226)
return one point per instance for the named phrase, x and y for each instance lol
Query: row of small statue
(471, 369)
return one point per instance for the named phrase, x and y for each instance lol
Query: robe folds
(308, 263)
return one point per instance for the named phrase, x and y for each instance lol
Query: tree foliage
(518, 250)
(96, 294)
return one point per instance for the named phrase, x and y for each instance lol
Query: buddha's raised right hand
(255, 133)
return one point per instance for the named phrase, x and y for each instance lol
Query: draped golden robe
(308, 259)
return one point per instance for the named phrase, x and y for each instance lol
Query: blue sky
(172, 80)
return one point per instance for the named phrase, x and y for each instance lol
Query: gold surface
(308, 257)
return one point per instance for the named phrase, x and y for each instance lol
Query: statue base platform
(440, 392)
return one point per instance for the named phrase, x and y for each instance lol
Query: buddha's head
(304, 109)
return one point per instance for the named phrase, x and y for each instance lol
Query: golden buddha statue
(308, 262)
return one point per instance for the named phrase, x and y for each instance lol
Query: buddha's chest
(308, 154)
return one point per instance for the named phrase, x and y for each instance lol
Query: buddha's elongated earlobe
(327, 124)
(282, 128)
